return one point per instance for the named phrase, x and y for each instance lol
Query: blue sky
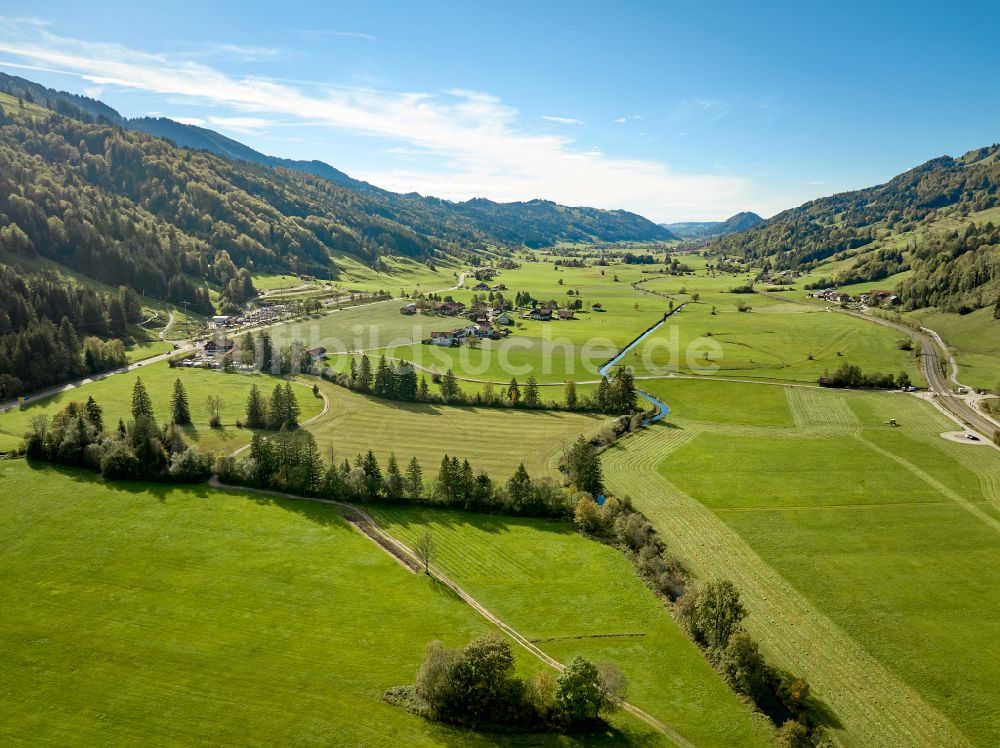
(672, 109)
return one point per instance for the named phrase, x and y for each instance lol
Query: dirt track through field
(366, 524)
(876, 708)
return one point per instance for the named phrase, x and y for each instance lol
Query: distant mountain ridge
(535, 223)
(709, 229)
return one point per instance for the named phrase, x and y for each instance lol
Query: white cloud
(478, 144)
(621, 120)
(246, 125)
(196, 121)
(563, 120)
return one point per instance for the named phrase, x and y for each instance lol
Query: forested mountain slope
(926, 220)
(475, 223)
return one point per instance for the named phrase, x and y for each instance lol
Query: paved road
(955, 405)
(42, 394)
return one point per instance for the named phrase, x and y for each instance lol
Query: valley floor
(867, 554)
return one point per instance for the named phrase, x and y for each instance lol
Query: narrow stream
(662, 408)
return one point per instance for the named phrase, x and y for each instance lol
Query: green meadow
(137, 614)
(775, 340)
(867, 554)
(573, 596)
(490, 438)
(114, 395)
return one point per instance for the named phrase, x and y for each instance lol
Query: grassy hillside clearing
(114, 394)
(138, 614)
(866, 554)
(573, 596)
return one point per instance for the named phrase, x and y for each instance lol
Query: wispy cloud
(563, 120)
(245, 125)
(621, 120)
(313, 34)
(240, 52)
(477, 143)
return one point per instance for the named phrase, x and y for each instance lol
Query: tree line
(290, 461)
(399, 381)
(850, 376)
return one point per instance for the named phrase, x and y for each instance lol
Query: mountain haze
(708, 229)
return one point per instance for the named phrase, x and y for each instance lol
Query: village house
(443, 338)
(485, 274)
(504, 319)
(499, 287)
(480, 287)
(566, 314)
(408, 309)
(219, 321)
(878, 298)
(316, 354)
(219, 346)
(540, 314)
(596, 308)
(450, 308)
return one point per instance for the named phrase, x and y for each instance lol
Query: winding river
(661, 407)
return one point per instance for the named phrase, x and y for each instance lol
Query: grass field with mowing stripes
(866, 553)
(574, 596)
(138, 614)
(493, 439)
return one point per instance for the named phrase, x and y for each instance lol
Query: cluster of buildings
(868, 298)
(260, 316)
(477, 330)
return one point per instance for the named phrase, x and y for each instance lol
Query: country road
(954, 405)
(182, 348)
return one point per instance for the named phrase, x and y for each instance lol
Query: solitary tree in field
(179, 404)
(214, 411)
(141, 404)
(424, 548)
